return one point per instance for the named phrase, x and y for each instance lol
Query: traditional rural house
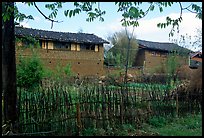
(195, 60)
(85, 52)
(154, 54)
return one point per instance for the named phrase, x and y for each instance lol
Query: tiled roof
(195, 54)
(59, 36)
(163, 46)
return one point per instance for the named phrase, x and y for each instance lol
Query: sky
(147, 29)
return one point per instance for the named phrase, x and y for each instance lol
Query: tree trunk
(9, 89)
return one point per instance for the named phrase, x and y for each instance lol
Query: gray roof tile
(59, 36)
(163, 46)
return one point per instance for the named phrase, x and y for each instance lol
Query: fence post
(79, 126)
(122, 108)
(177, 108)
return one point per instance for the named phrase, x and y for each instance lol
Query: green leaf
(151, 8)
(5, 17)
(59, 4)
(77, 10)
(165, 4)
(168, 18)
(180, 19)
(70, 13)
(101, 19)
(125, 15)
(199, 15)
(159, 25)
(29, 3)
(136, 24)
(168, 23)
(171, 34)
(74, 12)
(66, 12)
(164, 25)
(133, 12)
(91, 14)
(160, 9)
(170, 3)
(142, 13)
(76, 4)
(30, 17)
(50, 16)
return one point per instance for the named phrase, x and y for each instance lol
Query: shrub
(157, 121)
(67, 70)
(94, 132)
(29, 71)
(196, 79)
(172, 64)
(183, 72)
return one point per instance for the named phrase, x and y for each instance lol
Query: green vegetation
(190, 125)
(54, 109)
(117, 55)
(172, 63)
(119, 130)
(157, 121)
(67, 70)
(29, 71)
(28, 41)
(61, 72)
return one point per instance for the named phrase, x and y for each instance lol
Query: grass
(190, 125)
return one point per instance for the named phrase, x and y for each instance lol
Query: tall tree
(9, 64)
(120, 41)
(197, 44)
(187, 40)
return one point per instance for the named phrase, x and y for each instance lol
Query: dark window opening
(87, 47)
(92, 47)
(62, 46)
(199, 55)
(153, 53)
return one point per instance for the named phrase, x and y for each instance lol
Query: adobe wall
(159, 59)
(153, 61)
(82, 62)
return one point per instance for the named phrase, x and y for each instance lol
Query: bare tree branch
(181, 9)
(186, 8)
(45, 15)
(146, 12)
(191, 11)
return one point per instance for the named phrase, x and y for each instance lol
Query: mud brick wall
(82, 62)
